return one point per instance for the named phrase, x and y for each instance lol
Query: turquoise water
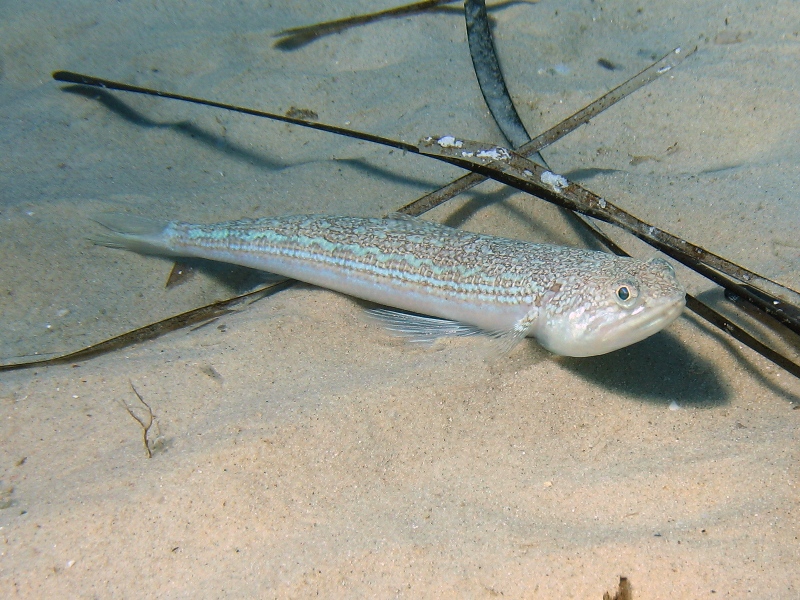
(706, 153)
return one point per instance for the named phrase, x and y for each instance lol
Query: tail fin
(146, 236)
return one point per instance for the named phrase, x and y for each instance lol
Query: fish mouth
(652, 319)
(607, 335)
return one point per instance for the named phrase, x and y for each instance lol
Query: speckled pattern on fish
(574, 301)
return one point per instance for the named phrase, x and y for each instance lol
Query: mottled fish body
(575, 302)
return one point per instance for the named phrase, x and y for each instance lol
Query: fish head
(610, 304)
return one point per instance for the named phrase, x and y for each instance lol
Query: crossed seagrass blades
(779, 305)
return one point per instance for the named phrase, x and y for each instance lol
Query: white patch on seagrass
(493, 153)
(449, 141)
(556, 182)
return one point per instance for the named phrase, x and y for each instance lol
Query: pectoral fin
(421, 329)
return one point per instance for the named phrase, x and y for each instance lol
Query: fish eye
(626, 293)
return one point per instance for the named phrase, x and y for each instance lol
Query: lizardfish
(575, 302)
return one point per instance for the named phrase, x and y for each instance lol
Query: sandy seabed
(300, 450)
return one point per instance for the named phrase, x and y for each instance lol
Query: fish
(437, 280)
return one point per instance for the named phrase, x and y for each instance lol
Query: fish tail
(146, 236)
